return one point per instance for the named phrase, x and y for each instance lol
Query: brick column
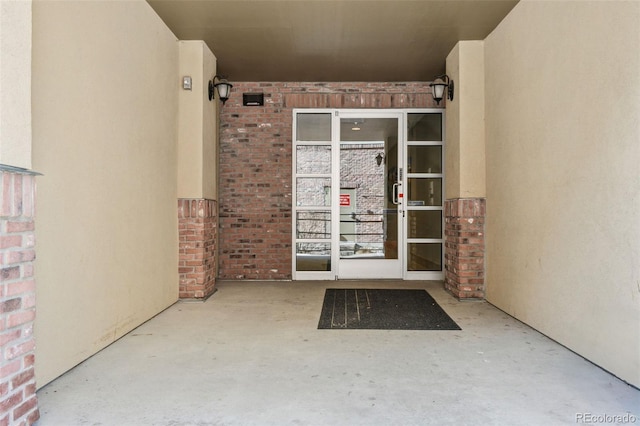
(197, 233)
(18, 401)
(464, 247)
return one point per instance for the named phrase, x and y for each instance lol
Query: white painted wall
(105, 111)
(563, 190)
(15, 83)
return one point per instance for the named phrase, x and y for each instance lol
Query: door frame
(403, 144)
(350, 268)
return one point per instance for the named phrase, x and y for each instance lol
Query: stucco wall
(15, 83)
(452, 129)
(562, 131)
(105, 77)
(465, 150)
(198, 139)
(210, 143)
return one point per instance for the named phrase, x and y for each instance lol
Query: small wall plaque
(186, 82)
(253, 99)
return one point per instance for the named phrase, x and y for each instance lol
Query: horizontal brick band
(357, 100)
(196, 208)
(465, 207)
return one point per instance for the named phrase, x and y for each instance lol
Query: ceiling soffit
(349, 40)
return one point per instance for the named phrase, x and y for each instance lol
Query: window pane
(424, 127)
(313, 225)
(313, 159)
(425, 223)
(368, 129)
(424, 257)
(424, 192)
(424, 159)
(313, 127)
(313, 257)
(313, 191)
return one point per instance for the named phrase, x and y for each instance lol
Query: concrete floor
(251, 355)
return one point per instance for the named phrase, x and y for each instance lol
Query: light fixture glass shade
(438, 87)
(224, 89)
(438, 90)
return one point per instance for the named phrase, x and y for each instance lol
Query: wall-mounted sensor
(186, 82)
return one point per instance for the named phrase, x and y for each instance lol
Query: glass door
(368, 192)
(369, 200)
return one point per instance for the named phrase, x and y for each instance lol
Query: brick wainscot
(18, 401)
(464, 247)
(197, 232)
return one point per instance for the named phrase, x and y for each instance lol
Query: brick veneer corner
(464, 247)
(197, 233)
(18, 400)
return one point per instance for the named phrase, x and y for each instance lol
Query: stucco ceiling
(327, 40)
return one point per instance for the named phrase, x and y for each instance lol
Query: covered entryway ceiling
(325, 40)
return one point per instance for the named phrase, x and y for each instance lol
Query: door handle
(395, 200)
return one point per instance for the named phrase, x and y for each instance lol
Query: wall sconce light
(223, 86)
(438, 85)
(379, 158)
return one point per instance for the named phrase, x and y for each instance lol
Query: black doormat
(382, 310)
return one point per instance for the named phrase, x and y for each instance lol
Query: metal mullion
(313, 175)
(335, 192)
(313, 208)
(425, 175)
(425, 208)
(313, 143)
(424, 240)
(425, 143)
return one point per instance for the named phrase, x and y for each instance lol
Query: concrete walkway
(252, 355)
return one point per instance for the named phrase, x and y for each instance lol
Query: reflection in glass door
(312, 183)
(368, 194)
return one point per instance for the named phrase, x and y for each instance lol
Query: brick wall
(197, 231)
(18, 402)
(464, 247)
(255, 165)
